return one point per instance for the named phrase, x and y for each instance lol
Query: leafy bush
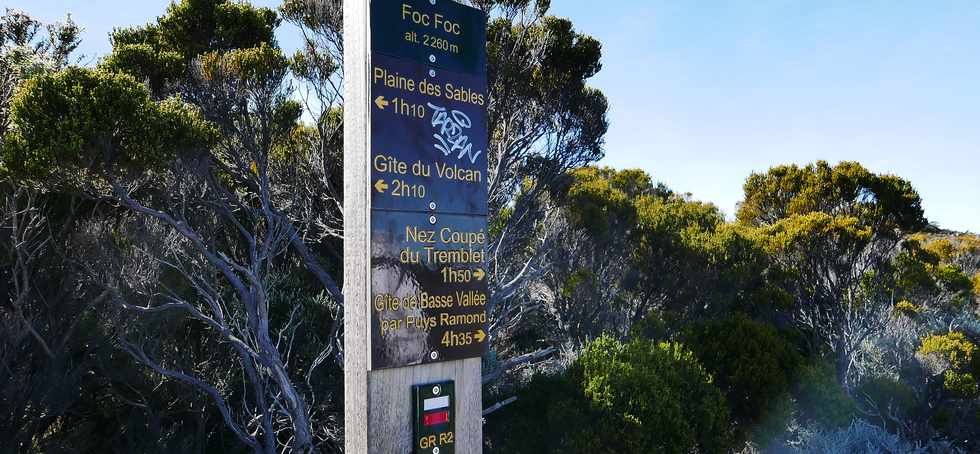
(961, 384)
(888, 398)
(821, 399)
(636, 397)
(907, 309)
(751, 362)
(960, 354)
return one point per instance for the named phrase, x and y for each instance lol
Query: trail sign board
(428, 182)
(441, 34)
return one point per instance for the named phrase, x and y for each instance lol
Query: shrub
(907, 309)
(636, 397)
(888, 398)
(751, 362)
(960, 354)
(657, 395)
(960, 384)
(821, 399)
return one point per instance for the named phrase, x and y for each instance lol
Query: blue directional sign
(440, 34)
(429, 280)
(429, 140)
(429, 179)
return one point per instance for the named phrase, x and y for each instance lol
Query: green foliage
(887, 396)
(638, 397)
(193, 27)
(914, 266)
(885, 203)
(964, 363)
(654, 327)
(907, 309)
(961, 384)
(146, 63)
(682, 251)
(597, 205)
(954, 348)
(658, 396)
(552, 64)
(821, 399)
(551, 416)
(105, 121)
(160, 53)
(751, 362)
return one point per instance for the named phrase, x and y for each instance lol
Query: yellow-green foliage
(847, 189)
(948, 248)
(941, 248)
(968, 244)
(811, 230)
(255, 65)
(105, 121)
(927, 267)
(635, 397)
(595, 204)
(907, 309)
(953, 347)
(976, 284)
(961, 354)
(961, 384)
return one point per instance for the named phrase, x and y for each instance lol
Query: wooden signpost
(415, 169)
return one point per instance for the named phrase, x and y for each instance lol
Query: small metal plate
(434, 418)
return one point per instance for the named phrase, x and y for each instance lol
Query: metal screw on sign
(432, 58)
(432, 220)
(436, 449)
(432, 73)
(432, 205)
(436, 390)
(434, 355)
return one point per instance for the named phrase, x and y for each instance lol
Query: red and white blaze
(436, 411)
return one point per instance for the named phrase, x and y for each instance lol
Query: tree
(544, 121)
(834, 230)
(162, 54)
(25, 52)
(224, 245)
(626, 247)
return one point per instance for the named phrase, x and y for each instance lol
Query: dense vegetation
(171, 248)
(829, 315)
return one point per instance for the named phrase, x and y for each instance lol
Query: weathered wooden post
(415, 169)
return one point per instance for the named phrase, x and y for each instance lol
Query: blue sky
(704, 93)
